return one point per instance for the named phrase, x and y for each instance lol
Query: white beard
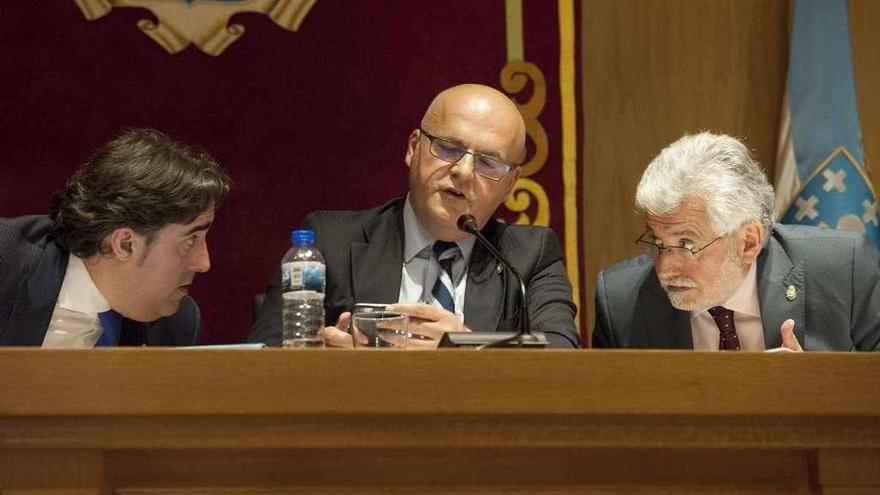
(728, 276)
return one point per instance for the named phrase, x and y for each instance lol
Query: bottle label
(303, 296)
(303, 275)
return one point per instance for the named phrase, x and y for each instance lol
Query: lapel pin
(791, 293)
(499, 268)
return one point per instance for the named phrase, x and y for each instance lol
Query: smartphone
(374, 308)
(368, 308)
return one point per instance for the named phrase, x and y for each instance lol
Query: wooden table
(164, 421)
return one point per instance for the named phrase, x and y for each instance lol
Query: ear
(122, 243)
(412, 147)
(512, 177)
(753, 242)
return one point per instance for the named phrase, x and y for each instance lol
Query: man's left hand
(789, 340)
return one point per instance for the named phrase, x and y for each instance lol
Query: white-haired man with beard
(721, 275)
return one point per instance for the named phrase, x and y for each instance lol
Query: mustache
(677, 282)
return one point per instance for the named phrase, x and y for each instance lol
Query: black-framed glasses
(648, 238)
(489, 167)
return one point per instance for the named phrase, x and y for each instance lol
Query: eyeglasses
(648, 238)
(487, 166)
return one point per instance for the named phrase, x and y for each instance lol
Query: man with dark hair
(462, 159)
(112, 263)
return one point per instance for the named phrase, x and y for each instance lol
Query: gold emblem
(202, 22)
(499, 268)
(515, 78)
(791, 293)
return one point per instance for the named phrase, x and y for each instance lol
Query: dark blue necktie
(111, 324)
(446, 253)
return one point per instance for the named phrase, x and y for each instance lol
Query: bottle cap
(298, 237)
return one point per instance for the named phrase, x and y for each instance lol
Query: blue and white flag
(820, 177)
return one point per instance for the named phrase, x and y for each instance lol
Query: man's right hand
(425, 320)
(334, 337)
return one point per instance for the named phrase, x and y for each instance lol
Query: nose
(667, 264)
(201, 261)
(464, 167)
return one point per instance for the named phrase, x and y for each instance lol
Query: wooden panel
(279, 421)
(328, 431)
(33, 471)
(849, 467)
(654, 70)
(591, 490)
(489, 468)
(49, 491)
(850, 490)
(173, 382)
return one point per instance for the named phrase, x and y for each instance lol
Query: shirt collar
(417, 239)
(78, 291)
(745, 298)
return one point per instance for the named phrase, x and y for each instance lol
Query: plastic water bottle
(303, 282)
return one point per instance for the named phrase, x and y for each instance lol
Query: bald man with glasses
(462, 159)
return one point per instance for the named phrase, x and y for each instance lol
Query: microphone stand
(523, 337)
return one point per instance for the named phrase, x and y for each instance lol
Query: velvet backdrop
(313, 119)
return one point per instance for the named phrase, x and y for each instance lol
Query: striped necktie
(446, 252)
(111, 324)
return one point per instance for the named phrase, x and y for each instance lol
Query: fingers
(419, 310)
(789, 340)
(429, 321)
(335, 337)
(344, 320)
(430, 329)
(419, 344)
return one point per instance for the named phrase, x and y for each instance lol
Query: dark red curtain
(313, 119)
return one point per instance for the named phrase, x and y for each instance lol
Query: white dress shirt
(421, 269)
(746, 317)
(74, 322)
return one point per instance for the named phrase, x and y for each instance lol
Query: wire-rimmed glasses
(489, 167)
(648, 238)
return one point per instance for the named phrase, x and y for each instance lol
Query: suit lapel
(781, 293)
(662, 326)
(36, 301)
(486, 291)
(376, 263)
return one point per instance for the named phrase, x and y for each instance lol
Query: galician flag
(821, 179)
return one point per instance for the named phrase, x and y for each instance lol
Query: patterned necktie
(724, 319)
(446, 252)
(111, 324)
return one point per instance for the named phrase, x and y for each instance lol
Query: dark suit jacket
(32, 268)
(364, 254)
(837, 304)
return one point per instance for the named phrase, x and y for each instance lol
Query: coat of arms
(202, 22)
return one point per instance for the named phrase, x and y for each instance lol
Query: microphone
(521, 338)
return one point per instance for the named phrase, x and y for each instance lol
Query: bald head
(484, 130)
(485, 107)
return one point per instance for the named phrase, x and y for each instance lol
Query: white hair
(716, 168)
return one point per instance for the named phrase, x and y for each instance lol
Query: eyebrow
(200, 227)
(678, 233)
